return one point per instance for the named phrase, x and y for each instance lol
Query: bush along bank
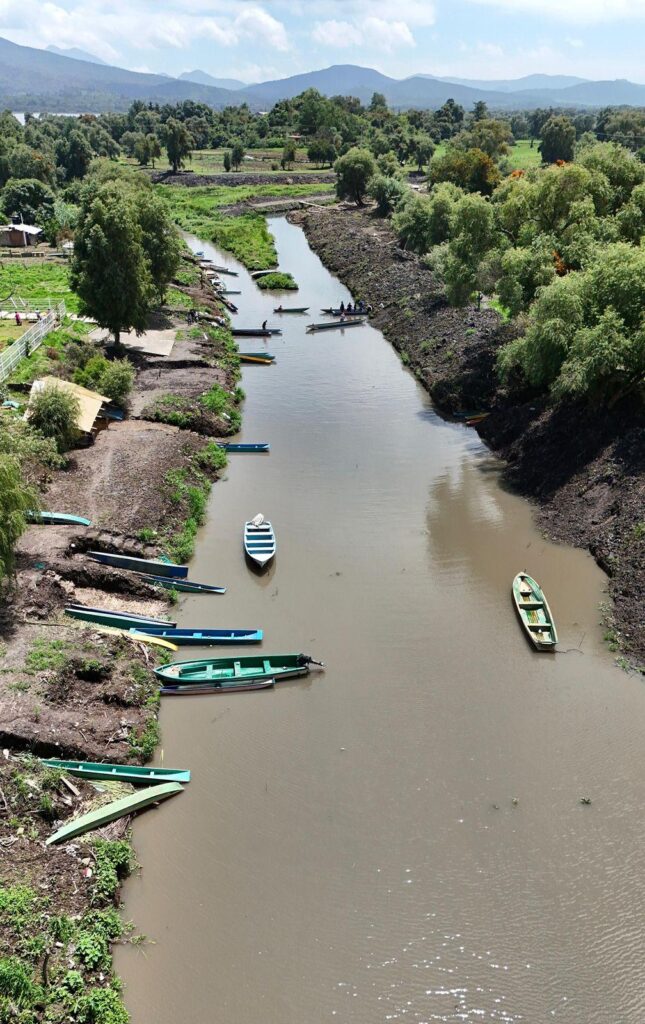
(582, 466)
(71, 690)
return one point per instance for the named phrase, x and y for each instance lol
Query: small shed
(20, 235)
(90, 401)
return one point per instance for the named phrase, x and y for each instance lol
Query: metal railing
(30, 340)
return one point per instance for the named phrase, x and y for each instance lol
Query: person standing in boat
(349, 307)
(342, 306)
(264, 325)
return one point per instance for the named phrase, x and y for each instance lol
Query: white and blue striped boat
(259, 540)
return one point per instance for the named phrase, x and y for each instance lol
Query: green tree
(142, 150)
(74, 155)
(237, 156)
(422, 148)
(558, 139)
(288, 155)
(227, 161)
(154, 148)
(16, 499)
(388, 164)
(55, 411)
(29, 199)
(388, 193)
(480, 111)
(25, 162)
(179, 143)
(378, 101)
(470, 169)
(473, 234)
(353, 172)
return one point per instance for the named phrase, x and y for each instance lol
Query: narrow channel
(401, 837)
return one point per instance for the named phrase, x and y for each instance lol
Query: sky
(255, 40)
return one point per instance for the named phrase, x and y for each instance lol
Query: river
(402, 836)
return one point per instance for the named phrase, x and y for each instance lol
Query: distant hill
(76, 54)
(203, 78)
(32, 79)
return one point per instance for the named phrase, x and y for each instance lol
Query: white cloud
(386, 35)
(338, 34)
(254, 22)
(372, 32)
(576, 43)
(575, 11)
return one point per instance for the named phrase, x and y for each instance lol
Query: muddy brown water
(402, 836)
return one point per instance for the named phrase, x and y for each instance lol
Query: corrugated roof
(89, 401)
(28, 229)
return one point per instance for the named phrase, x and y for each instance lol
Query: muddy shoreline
(584, 471)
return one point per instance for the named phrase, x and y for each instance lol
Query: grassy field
(522, 157)
(37, 281)
(9, 331)
(211, 161)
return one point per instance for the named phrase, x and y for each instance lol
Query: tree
(480, 111)
(55, 411)
(470, 169)
(388, 165)
(422, 148)
(388, 193)
(473, 234)
(24, 162)
(621, 168)
(237, 156)
(114, 379)
(29, 199)
(142, 150)
(288, 155)
(154, 149)
(16, 499)
(125, 252)
(179, 143)
(354, 171)
(558, 139)
(378, 101)
(226, 160)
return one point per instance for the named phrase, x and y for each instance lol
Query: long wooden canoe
(117, 809)
(228, 447)
(183, 586)
(141, 637)
(292, 309)
(249, 668)
(330, 311)
(138, 775)
(336, 325)
(201, 689)
(149, 566)
(254, 332)
(259, 542)
(534, 612)
(257, 357)
(58, 519)
(204, 637)
(122, 620)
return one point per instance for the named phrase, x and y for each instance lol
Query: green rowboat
(138, 775)
(534, 612)
(117, 809)
(247, 669)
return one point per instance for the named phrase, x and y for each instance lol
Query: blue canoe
(58, 519)
(183, 586)
(149, 566)
(243, 447)
(203, 637)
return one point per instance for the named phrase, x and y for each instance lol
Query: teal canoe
(203, 637)
(117, 809)
(183, 586)
(122, 620)
(534, 612)
(245, 669)
(58, 519)
(149, 566)
(138, 775)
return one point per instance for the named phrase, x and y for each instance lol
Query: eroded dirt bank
(584, 470)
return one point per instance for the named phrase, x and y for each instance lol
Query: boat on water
(183, 586)
(292, 309)
(202, 689)
(228, 291)
(330, 311)
(231, 447)
(58, 519)
(149, 566)
(138, 775)
(122, 620)
(257, 274)
(534, 612)
(116, 809)
(256, 357)
(204, 637)
(259, 540)
(472, 421)
(255, 332)
(209, 265)
(335, 325)
(246, 669)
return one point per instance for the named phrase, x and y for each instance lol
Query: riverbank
(72, 691)
(584, 471)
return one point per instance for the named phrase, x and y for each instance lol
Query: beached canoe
(259, 540)
(117, 809)
(228, 447)
(254, 332)
(138, 775)
(138, 635)
(336, 325)
(257, 274)
(247, 669)
(257, 357)
(204, 637)
(230, 291)
(292, 309)
(57, 519)
(202, 689)
(209, 265)
(149, 566)
(534, 612)
(183, 586)
(122, 620)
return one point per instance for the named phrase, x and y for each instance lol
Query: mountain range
(68, 80)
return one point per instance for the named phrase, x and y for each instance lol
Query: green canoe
(534, 612)
(246, 669)
(138, 775)
(110, 812)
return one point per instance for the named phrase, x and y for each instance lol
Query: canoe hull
(244, 447)
(121, 621)
(336, 325)
(149, 566)
(205, 637)
(183, 586)
(534, 613)
(201, 691)
(138, 775)
(58, 519)
(117, 809)
(216, 671)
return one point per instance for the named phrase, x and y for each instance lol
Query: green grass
(44, 359)
(37, 281)
(522, 157)
(211, 161)
(9, 331)
(278, 282)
